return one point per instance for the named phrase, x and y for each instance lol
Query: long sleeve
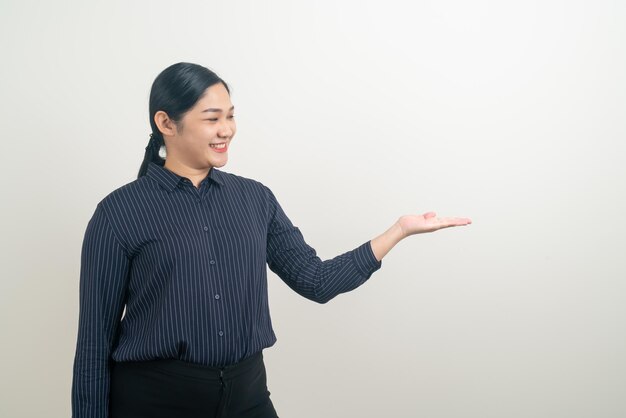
(103, 282)
(297, 263)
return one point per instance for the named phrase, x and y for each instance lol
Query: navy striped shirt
(188, 265)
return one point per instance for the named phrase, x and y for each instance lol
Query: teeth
(218, 146)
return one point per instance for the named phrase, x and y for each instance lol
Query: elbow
(321, 301)
(322, 297)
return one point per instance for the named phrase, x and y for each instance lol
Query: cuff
(365, 260)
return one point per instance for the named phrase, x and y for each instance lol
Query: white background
(354, 113)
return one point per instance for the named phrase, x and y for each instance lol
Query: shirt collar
(170, 180)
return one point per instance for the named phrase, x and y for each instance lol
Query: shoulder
(126, 194)
(239, 181)
(249, 189)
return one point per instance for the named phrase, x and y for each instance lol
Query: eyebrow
(213, 109)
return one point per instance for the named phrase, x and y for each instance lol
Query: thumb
(429, 215)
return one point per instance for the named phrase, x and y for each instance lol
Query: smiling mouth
(219, 148)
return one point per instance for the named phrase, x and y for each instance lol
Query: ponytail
(155, 152)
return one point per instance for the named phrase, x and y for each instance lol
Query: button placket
(204, 215)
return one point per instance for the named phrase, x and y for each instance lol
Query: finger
(455, 221)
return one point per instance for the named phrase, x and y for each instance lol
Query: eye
(214, 119)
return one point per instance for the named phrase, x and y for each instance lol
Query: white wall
(510, 113)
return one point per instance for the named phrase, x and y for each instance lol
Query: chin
(219, 163)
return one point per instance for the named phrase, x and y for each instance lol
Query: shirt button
(206, 228)
(221, 333)
(212, 262)
(217, 296)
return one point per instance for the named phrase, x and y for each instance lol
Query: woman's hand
(408, 225)
(428, 222)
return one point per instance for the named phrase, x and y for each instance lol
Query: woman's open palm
(428, 222)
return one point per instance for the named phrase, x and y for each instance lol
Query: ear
(165, 124)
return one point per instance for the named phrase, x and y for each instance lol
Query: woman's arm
(104, 270)
(298, 265)
(409, 225)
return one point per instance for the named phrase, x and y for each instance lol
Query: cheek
(205, 135)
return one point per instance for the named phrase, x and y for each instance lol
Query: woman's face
(210, 121)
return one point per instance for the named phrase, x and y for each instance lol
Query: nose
(225, 131)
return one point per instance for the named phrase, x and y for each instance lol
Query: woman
(182, 252)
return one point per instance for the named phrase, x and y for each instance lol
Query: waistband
(200, 370)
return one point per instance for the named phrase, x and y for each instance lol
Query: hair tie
(154, 144)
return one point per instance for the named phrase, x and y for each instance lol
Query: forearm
(383, 243)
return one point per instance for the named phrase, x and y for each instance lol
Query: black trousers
(177, 389)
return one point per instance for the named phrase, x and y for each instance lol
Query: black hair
(175, 90)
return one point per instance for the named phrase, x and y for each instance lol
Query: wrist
(383, 243)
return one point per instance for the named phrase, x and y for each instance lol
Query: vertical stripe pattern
(188, 265)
